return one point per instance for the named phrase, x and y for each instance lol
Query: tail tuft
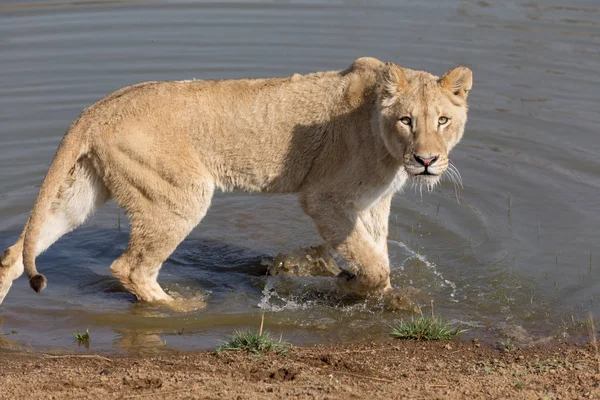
(38, 282)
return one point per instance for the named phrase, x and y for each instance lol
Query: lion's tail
(69, 151)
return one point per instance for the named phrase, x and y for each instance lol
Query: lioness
(345, 141)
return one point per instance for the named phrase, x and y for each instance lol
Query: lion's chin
(427, 180)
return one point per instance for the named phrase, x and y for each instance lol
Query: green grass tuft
(83, 338)
(256, 342)
(424, 328)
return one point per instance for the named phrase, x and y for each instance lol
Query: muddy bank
(394, 369)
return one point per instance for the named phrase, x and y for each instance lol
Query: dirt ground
(389, 370)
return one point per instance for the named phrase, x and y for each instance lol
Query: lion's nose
(426, 160)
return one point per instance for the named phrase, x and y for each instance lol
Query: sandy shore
(389, 370)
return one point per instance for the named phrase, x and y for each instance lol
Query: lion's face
(422, 117)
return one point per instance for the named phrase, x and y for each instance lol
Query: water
(517, 256)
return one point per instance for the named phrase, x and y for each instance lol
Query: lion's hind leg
(79, 196)
(156, 230)
(11, 267)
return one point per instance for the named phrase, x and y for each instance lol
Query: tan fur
(161, 149)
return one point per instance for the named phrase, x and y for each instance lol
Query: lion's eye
(442, 120)
(406, 120)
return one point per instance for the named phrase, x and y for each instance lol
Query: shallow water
(516, 257)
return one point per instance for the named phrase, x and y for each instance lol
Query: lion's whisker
(455, 177)
(456, 171)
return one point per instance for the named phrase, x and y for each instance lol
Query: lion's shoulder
(364, 64)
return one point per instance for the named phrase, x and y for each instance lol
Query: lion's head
(422, 117)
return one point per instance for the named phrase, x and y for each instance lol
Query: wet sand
(388, 370)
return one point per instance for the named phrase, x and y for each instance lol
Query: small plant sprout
(506, 346)
(424, 328)
(83, 338)
(251, 341)
(519, 385)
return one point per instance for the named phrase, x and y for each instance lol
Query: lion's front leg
(344, 230)
(376, 222)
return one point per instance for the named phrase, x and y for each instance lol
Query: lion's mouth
(424, 173)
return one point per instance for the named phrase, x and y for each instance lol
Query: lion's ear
(391, 81)
(458, 80)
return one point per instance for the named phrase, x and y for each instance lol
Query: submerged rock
(404, 299)
(520, 336)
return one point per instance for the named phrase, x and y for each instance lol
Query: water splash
(309, 293)
(269, 292)
(443, 282)
(303, 293)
